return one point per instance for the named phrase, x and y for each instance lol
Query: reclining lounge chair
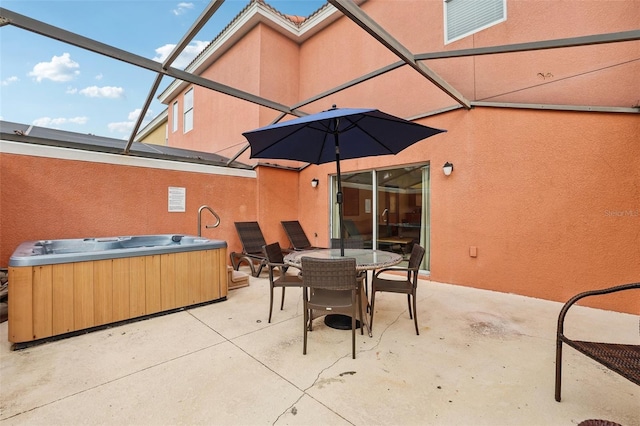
(297, 236)
(252, 242)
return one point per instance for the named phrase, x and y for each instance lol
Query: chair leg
(304, 338)
(282, 301)
(366, 286)
(257, 274)
(270, 301)
(409, 304)
(353, 335)
(415, 314)
(373, 304)
(558, 368)
(360, 312)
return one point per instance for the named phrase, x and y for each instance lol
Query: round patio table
(366, 259)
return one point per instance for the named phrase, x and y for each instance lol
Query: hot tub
(62, 287)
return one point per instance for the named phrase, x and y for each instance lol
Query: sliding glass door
(388, 209)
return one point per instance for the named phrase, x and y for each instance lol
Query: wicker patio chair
(252, 242)
(297, 236)
(330, 286)
(407, 286)
(278, 276)
(621, 358)
(356, 242)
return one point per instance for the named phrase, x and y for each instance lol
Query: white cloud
(61, 68)
(103, 92)
(10, 80)
(121, 127)
(127, 126)
(99, 76)
(55, 122)
(182, 8)
(71, 90)
(185, 58)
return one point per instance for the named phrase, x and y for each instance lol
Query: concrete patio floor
(482, 358)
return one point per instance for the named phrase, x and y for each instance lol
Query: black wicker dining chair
(278, 276)
(330, 286)
(406, 286)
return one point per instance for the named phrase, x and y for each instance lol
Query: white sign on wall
(177, 199)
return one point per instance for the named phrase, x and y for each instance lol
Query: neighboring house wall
(156, 132)
(156, 137)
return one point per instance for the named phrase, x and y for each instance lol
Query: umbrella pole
(339, 194)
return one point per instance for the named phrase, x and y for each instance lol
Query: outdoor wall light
(314, 182)
(447, 168)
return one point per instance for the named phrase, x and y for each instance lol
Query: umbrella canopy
(335, 134)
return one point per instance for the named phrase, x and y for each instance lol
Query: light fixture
(314, 182)
(447, 168)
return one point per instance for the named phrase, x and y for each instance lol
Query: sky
(48, 83)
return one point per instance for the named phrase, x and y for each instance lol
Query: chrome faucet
(215, 225)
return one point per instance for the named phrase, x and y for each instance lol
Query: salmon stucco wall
(550, 200)
(46, 198)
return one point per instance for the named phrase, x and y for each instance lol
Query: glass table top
(365, 258)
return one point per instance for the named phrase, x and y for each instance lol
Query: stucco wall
(551, 200)
(46, 198)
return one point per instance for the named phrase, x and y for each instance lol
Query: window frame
(187, 114)
(174, 117)
(484, 25)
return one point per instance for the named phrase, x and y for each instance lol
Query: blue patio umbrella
(334, 135)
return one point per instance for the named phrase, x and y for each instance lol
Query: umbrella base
(339, 322)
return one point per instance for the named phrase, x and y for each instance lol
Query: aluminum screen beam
(351, 83)
(177, 50)
(536, 45)
(563, 107)
(357, 15)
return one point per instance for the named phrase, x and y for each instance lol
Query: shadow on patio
(482, 358)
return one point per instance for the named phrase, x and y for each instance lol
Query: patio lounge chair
(297, 236)
(621, 358)
(252, 242)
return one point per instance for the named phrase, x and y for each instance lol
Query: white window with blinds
(466, 17)
(174, 117)
(188, 110)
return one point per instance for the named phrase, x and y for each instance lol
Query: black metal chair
(406, 286)
(622, 358)
(331, 286)
(275, 262)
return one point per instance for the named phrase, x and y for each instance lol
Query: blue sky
(48, 83)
